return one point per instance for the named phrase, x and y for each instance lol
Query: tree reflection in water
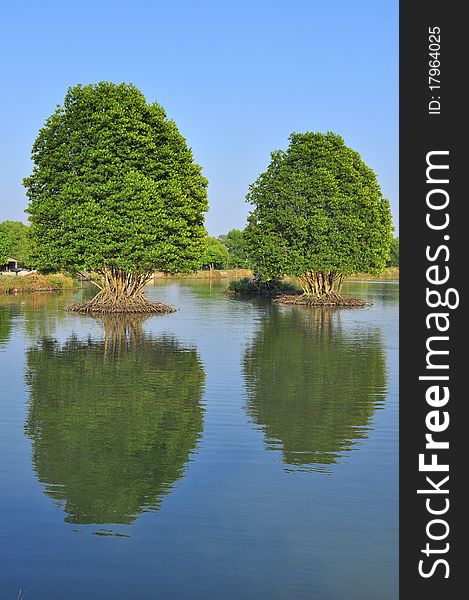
(113, 421)
(313, 384)
(5, 325)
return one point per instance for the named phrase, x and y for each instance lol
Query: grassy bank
(206, 274)
(290, 285)
(389, 273)
(10, 284)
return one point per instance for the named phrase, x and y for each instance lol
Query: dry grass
(213, 274)
(35, 282)
(389, 273)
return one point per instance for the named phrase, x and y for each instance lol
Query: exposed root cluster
(122, 293)
(332, 300)
(102, 303)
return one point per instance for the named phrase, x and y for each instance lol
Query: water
(235, 449)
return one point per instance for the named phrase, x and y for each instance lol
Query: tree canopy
(115, 189)
(215, 255)
(318, 211)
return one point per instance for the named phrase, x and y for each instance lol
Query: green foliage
(4, 248)
(215, 255)
(250, 286)
(312, 385)
(16, 235)
(114, 185)
(394, 253)
(112, 422)
(234, 241)
(318, 207)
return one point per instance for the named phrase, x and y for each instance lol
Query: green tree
(394, 253)
(17, 234)
(234, 241)
(112, 421)
(319, 215)
(115, 190)
(312, 385)
(5, 244)
(215, 255)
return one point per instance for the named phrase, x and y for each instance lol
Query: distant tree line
(225, 252)
(228, 251)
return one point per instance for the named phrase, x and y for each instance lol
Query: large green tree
(319, 214)
(115, 190)
(16, 235)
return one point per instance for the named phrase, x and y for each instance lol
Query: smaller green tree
(234, 241)
(215, 255)
(17, 234)
(319, 215)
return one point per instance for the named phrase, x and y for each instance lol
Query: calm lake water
(236, 449)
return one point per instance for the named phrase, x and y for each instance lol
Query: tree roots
(149, 308)
(103, 303)
(122, 293)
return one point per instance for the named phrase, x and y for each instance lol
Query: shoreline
(58, 282)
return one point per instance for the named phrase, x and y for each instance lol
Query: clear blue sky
(237, 77)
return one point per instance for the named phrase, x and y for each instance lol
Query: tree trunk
(122, 292)
(321, 284)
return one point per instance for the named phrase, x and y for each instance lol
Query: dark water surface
(236, 449)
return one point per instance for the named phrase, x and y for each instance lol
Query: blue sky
(237, 77)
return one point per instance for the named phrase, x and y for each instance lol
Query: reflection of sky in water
(238, 523)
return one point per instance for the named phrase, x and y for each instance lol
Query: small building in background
(10, 265)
